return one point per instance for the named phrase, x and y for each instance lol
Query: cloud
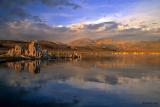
(26, 30)
(16, 22)
(105, 26)
(55, 3)
(15, 10)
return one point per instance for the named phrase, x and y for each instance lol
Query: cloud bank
(26, 30)
(18, 21)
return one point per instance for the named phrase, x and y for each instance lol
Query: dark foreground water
(128, 81)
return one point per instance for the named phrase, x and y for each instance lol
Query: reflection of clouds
(107, 72)
(77, 75)
(118, 71)
(63, 80)
(127, 80)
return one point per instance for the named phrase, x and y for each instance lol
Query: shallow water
(119, 81)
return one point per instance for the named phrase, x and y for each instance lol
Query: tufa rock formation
(33, 50)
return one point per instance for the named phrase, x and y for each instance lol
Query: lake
(113, 81)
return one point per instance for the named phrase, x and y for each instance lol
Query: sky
(67, 20)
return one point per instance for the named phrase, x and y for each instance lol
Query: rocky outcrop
(33, 50)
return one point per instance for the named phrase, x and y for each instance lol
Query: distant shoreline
(136, 53)
(4, 59)
(45, 50)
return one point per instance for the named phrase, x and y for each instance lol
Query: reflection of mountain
(31, 66)
(117, 70)
(128, 78)
(118, 62)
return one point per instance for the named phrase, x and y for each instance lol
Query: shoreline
(136, 53)
(4, 58)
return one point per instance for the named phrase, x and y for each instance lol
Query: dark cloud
(108, 26)
(55, 3)
(25, 30)
(131, 30)
(15, 10)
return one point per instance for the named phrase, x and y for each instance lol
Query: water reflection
(130, 81)
(31, 66)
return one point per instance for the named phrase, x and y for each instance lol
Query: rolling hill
(108, 44)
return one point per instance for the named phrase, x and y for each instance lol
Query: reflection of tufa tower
(31, 66)
(34, 67)
(17, 66)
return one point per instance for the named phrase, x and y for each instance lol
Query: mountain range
(116, 45)
(86, 44)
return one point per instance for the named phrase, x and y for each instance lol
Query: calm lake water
(121, 81)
